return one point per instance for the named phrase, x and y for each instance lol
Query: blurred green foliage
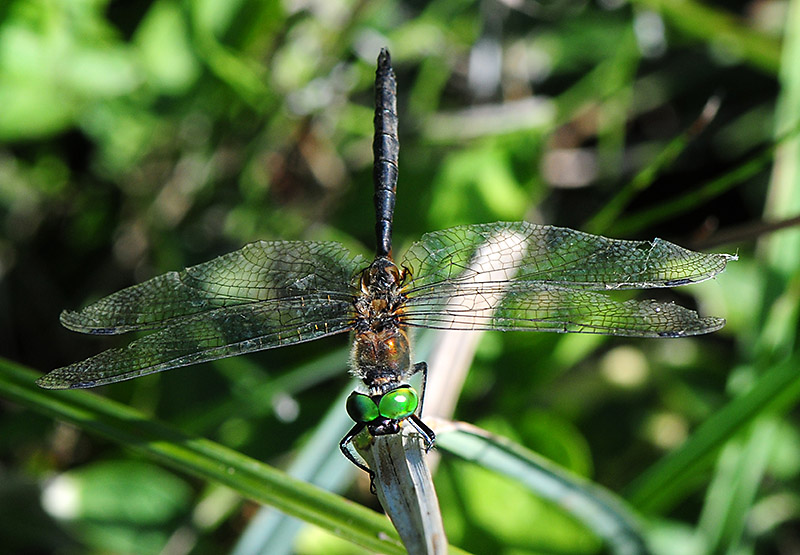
(141, 137)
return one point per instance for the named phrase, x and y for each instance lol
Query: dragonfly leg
(346, 446)
(428, 437)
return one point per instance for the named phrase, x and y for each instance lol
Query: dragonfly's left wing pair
(265, 295)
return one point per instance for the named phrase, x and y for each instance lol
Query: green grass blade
(740, 471)
(596, 508)
(272, 531)
(666, 482)
(783, 199)
(202, 458)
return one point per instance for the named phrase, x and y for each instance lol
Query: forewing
(221, 332)
(259, 272)
(555, 255)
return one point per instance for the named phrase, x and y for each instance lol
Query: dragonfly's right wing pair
(523, 276)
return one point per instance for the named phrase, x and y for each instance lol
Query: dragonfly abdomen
(385, 148)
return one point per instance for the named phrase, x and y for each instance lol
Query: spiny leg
(347, 450)
(428, 437)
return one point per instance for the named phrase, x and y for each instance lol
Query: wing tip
(709, 324)
(52, 381)
(67, 377)
(714, 323)
(68, 319)
(724, 258)
(81, 322)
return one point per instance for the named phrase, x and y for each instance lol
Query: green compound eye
(399, 404)
(361, 408)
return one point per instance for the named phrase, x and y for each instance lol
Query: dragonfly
(275, 293)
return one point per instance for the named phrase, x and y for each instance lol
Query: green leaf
(163, 40)
(133, 492)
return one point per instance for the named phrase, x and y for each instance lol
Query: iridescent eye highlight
(399, 404)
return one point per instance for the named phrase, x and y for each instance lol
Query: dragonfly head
(382, 414)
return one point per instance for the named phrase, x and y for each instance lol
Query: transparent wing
(222, 332)
(537, 253)
(266, 295)
(521, 307)
(521, 276)
(261, 271)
